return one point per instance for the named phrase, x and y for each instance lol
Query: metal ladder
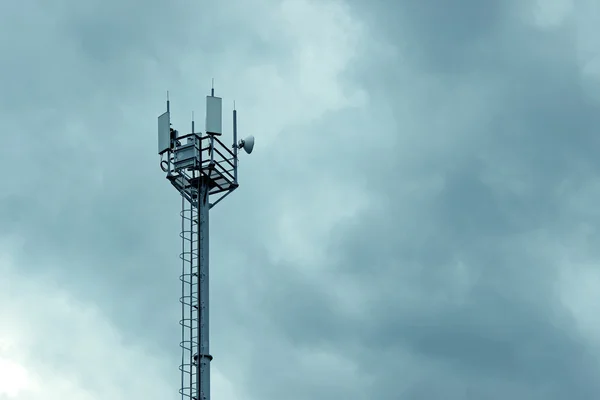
(189, 299)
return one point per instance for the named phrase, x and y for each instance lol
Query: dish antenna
(247, 144)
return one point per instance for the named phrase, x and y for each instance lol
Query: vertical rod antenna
(235, 146)
(168, 103)
(193, 131)
(212, 88)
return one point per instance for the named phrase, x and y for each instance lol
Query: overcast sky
(418, 219)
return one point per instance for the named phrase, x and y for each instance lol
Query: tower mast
(204, 171)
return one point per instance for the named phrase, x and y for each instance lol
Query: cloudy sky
(418, 220)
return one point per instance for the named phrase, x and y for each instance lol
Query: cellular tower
(204, 171)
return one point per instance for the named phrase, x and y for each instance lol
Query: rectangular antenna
(214, 115)
(164, 135)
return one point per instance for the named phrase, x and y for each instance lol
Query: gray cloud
(498, 202)
(420, 189)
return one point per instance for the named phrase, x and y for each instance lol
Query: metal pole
(235, 147)
(204, 357)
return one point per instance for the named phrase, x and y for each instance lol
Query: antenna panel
(164, 136)
(214, 115)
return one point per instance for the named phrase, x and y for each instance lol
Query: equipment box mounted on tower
(187, 155)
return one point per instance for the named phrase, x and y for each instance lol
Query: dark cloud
(477, 135)
(441, 36)
(505, 332)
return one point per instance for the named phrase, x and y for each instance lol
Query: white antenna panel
(164, 132)
(214, 115)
